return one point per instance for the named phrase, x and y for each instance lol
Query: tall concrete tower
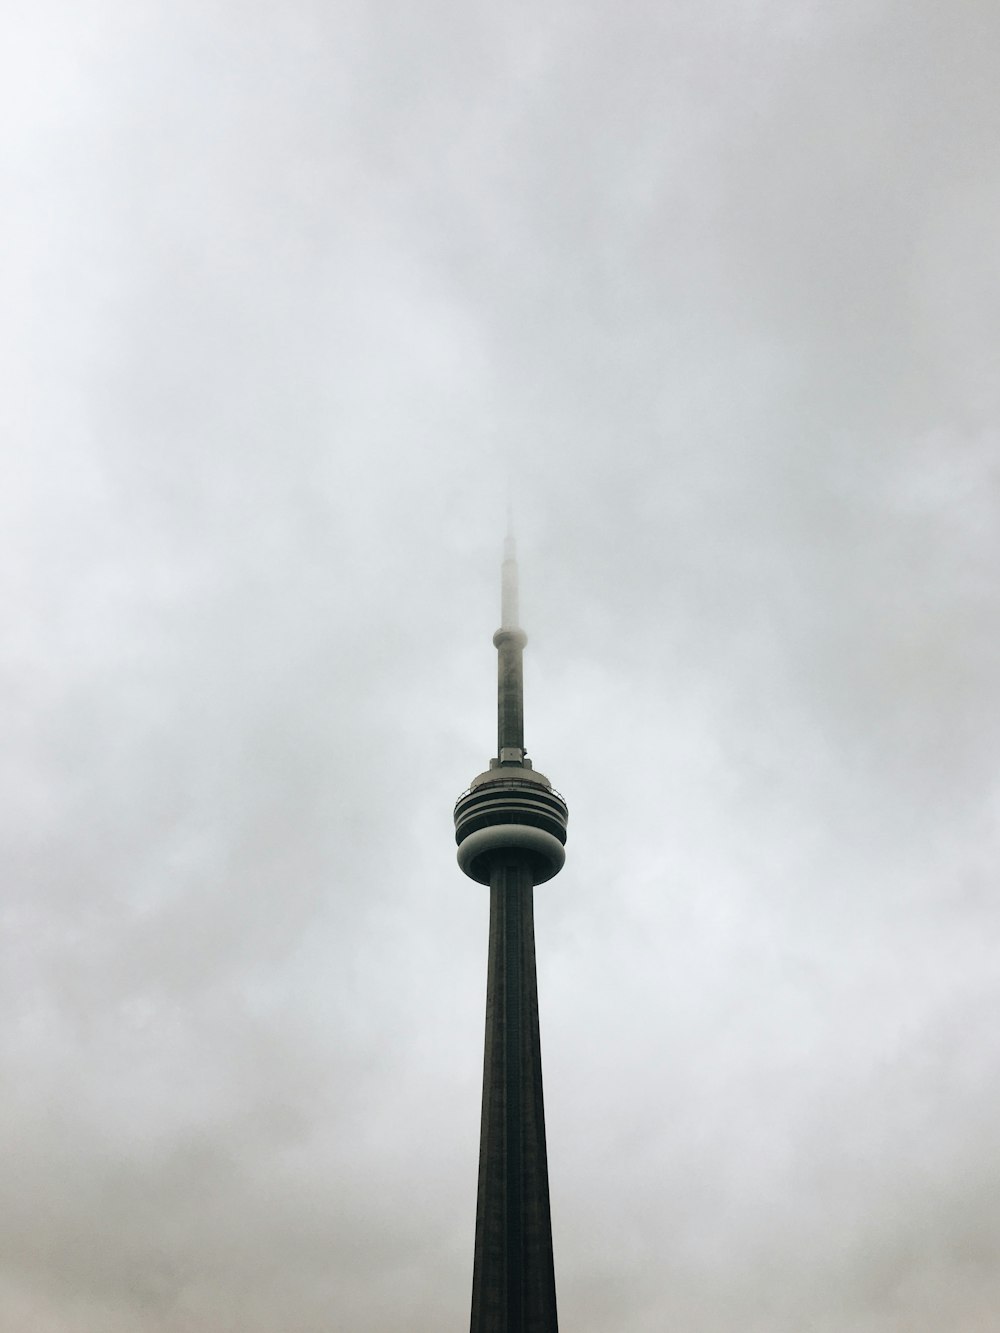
(510, 827)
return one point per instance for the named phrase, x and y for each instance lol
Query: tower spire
(510, 641)
(509, 614)
(510, 827)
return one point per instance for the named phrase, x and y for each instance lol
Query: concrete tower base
(513, 1286)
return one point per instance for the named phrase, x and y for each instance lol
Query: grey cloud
(286, 297)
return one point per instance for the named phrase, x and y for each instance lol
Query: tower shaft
(513, 1288)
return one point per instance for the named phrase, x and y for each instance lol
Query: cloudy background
(287, 292)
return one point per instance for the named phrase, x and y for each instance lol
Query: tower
(510, 827)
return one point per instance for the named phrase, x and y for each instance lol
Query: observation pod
(511, 816)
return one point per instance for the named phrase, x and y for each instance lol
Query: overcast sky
(287, 292)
